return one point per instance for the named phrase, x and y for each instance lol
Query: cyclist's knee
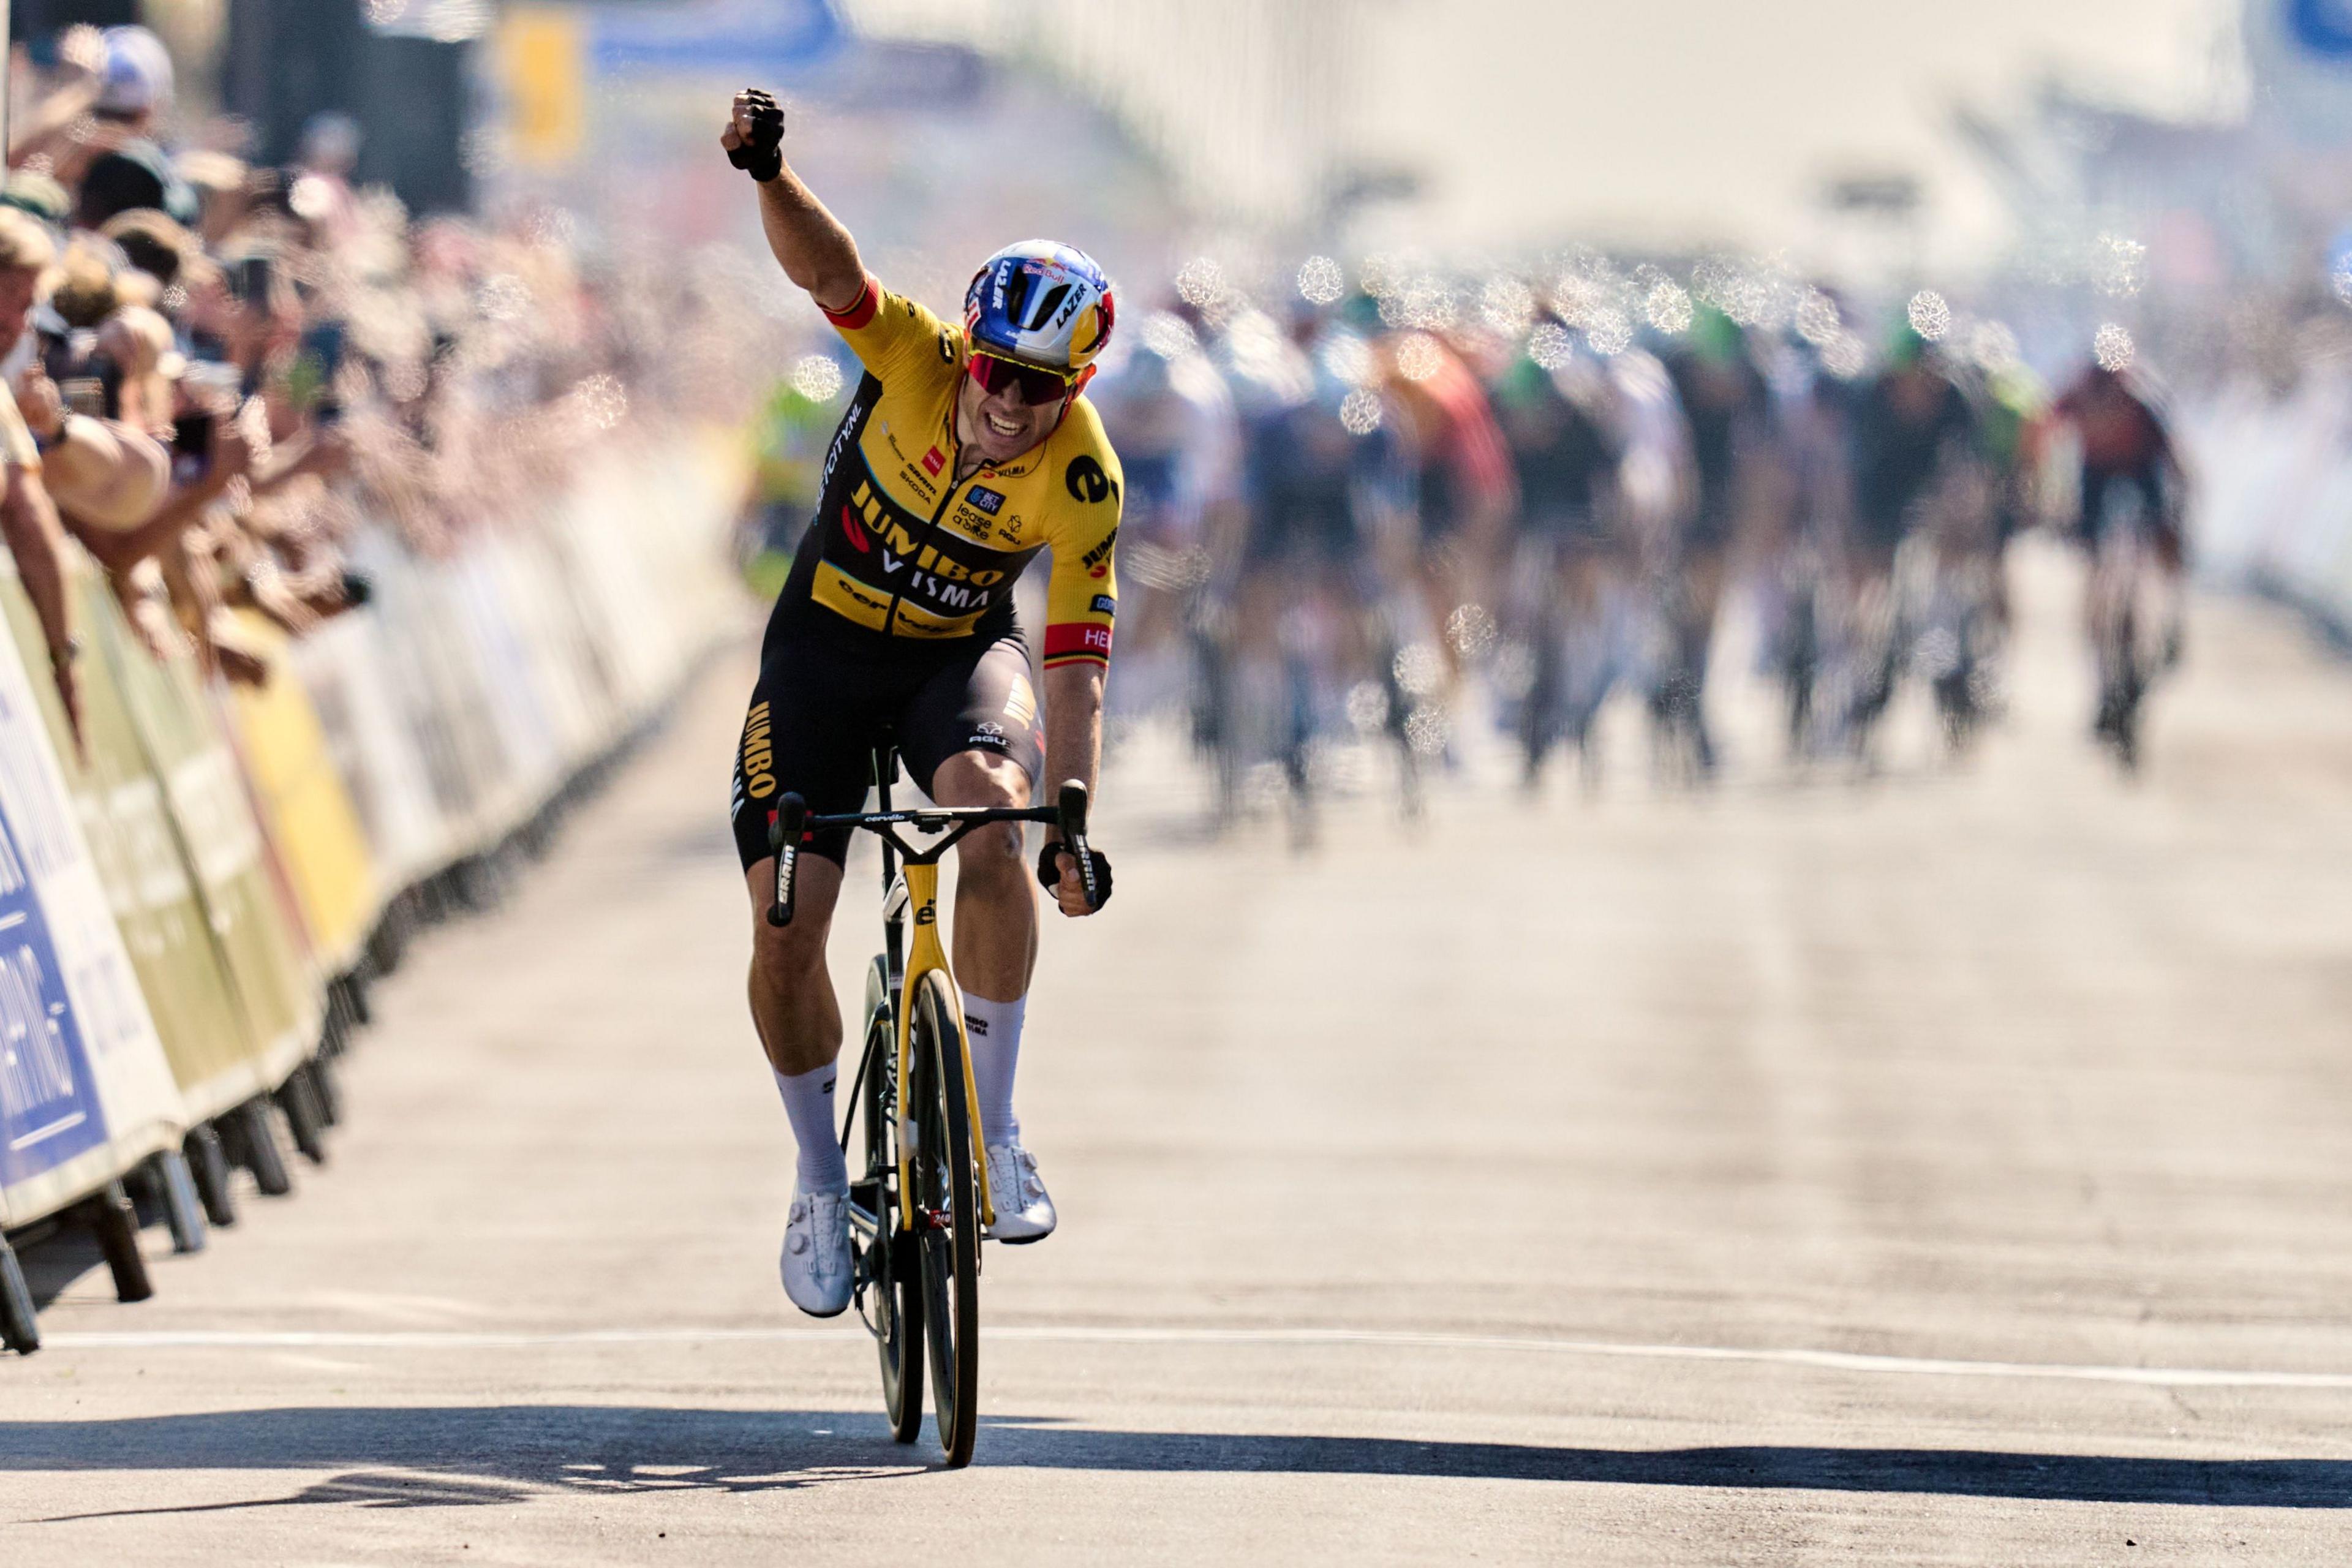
(980, 779)
(992, 857)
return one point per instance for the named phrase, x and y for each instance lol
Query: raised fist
(754, 136)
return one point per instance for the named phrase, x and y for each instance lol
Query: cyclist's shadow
(474, 1456)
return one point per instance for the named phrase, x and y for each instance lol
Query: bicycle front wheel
(894, 1312)
(947, 1215)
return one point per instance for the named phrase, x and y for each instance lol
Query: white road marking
(1830, 1360)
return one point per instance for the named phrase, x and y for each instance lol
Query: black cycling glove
(762, 157)
(1049, 869)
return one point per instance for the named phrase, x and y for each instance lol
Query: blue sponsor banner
(48, 1101)
(2322, 27)
(775, 37)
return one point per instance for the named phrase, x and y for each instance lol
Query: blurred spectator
(129, 169)
(28, 521)
(227, 370)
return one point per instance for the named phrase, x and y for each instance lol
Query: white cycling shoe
(817, 1253)
(1024, 1210)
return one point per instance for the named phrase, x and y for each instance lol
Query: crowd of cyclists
(1383, 504)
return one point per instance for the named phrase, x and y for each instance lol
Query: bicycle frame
(911, 882)
(917, 888)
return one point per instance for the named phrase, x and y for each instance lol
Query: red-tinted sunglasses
(1031, 383)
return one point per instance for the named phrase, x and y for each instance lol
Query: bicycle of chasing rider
(918, 1211)
(2133, 638)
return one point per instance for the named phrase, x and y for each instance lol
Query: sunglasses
(1028, 382)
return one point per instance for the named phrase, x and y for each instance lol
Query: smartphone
(191, 437)
(249, 281)
(83, 395)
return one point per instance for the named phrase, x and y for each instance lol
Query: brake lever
(784, 837)
(1071, 808)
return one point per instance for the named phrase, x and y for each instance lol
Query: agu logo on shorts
(759, 758)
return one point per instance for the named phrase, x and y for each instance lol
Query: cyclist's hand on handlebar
(1057, 870)
(754, 136)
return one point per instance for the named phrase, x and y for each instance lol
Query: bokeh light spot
(1930, 315)
(1321, 281)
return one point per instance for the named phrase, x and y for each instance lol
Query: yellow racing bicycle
(917, 1214)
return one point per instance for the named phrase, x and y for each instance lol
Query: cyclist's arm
(1081, 602)
(1073, 705)
(810, 244)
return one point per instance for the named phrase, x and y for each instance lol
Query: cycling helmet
(1040, 303)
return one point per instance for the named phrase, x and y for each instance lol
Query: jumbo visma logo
(758, 756)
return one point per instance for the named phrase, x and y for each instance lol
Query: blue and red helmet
(1041, 303)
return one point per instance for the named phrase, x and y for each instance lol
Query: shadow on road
(501, 1453)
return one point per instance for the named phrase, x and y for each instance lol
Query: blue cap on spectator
(137, 76)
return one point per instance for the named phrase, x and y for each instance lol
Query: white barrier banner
(85, 1092)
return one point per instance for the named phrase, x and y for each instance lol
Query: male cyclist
(2131, 478)
(962, 454)
(1911, 430)
(1728, 407)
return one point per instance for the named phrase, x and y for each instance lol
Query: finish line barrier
(185, 898)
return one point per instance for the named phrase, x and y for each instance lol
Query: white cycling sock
(808, 1101)
(994, 1028)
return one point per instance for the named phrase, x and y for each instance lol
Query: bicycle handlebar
(793, 823)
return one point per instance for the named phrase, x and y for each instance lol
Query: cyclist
(1910, 424)
(1465, 480)
(1566, 451)
(963, 452)
(1172, 420)
(1329, 484)
(1728, 406)
(1814, 414)
(2131, 475)
(790, 438)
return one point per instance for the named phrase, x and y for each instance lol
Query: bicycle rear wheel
(947, 1215)
(887, 1263)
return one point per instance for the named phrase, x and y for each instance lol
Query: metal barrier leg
(19, 1330)
(175, 1186)
(117, 1224)
(209, 1164)
(299, 1101)
(258, 1138)
(328, 1088)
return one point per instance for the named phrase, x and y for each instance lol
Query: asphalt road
(1952, 1167)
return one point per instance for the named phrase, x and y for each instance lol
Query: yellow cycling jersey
(901, 547)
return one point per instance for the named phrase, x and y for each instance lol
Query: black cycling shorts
(2109, 494)
(826, 699)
